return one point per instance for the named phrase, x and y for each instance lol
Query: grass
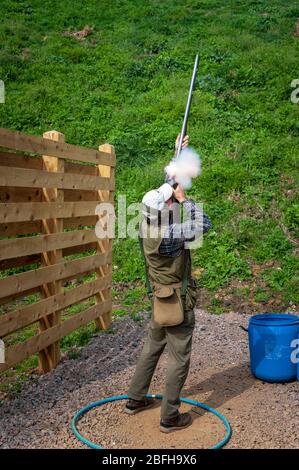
(126, 83)
(132, 299)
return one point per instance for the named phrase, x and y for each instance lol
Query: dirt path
(261, 414)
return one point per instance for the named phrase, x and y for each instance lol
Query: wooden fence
(49, 191)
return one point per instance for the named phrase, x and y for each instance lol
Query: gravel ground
(262, 415)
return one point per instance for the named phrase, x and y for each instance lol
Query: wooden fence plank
(29, 211)
(19, 141)
(76, 222)
(80, 169)
(24, 316)
(13, 194)
(18, 295)
(14, 247)
(64, 270)
(18, 352)
(21, 177)
(73, 195)
(20, 261)
(25, 260)
(20, 160)
(26, 228)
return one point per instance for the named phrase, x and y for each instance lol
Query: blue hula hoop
(159, 397)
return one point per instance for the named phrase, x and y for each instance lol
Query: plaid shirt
(178, 235)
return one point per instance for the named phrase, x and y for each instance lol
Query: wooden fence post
(104, 321)
(50, 356)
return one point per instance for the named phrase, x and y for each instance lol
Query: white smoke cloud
(184, 168)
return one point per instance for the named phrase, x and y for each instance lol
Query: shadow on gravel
(223, 387)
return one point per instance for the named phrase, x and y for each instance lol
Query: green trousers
(179, 341)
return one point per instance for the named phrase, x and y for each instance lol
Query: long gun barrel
(188, 105)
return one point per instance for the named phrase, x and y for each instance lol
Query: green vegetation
(126, 83)
(11, 381)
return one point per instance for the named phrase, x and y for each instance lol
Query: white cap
(156, 198)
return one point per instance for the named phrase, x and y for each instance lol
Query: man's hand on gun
(185, 141)
(179, 194)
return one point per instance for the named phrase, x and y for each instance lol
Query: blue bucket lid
(274, 319)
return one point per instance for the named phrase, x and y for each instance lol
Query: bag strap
(187, 263)
(148, 284)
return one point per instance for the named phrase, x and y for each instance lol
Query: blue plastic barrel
(270, 338)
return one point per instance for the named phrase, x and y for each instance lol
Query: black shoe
(134, 406)
(181, 421)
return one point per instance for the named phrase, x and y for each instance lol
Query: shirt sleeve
(195, 225)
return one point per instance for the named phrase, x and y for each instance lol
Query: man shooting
(168, 270)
